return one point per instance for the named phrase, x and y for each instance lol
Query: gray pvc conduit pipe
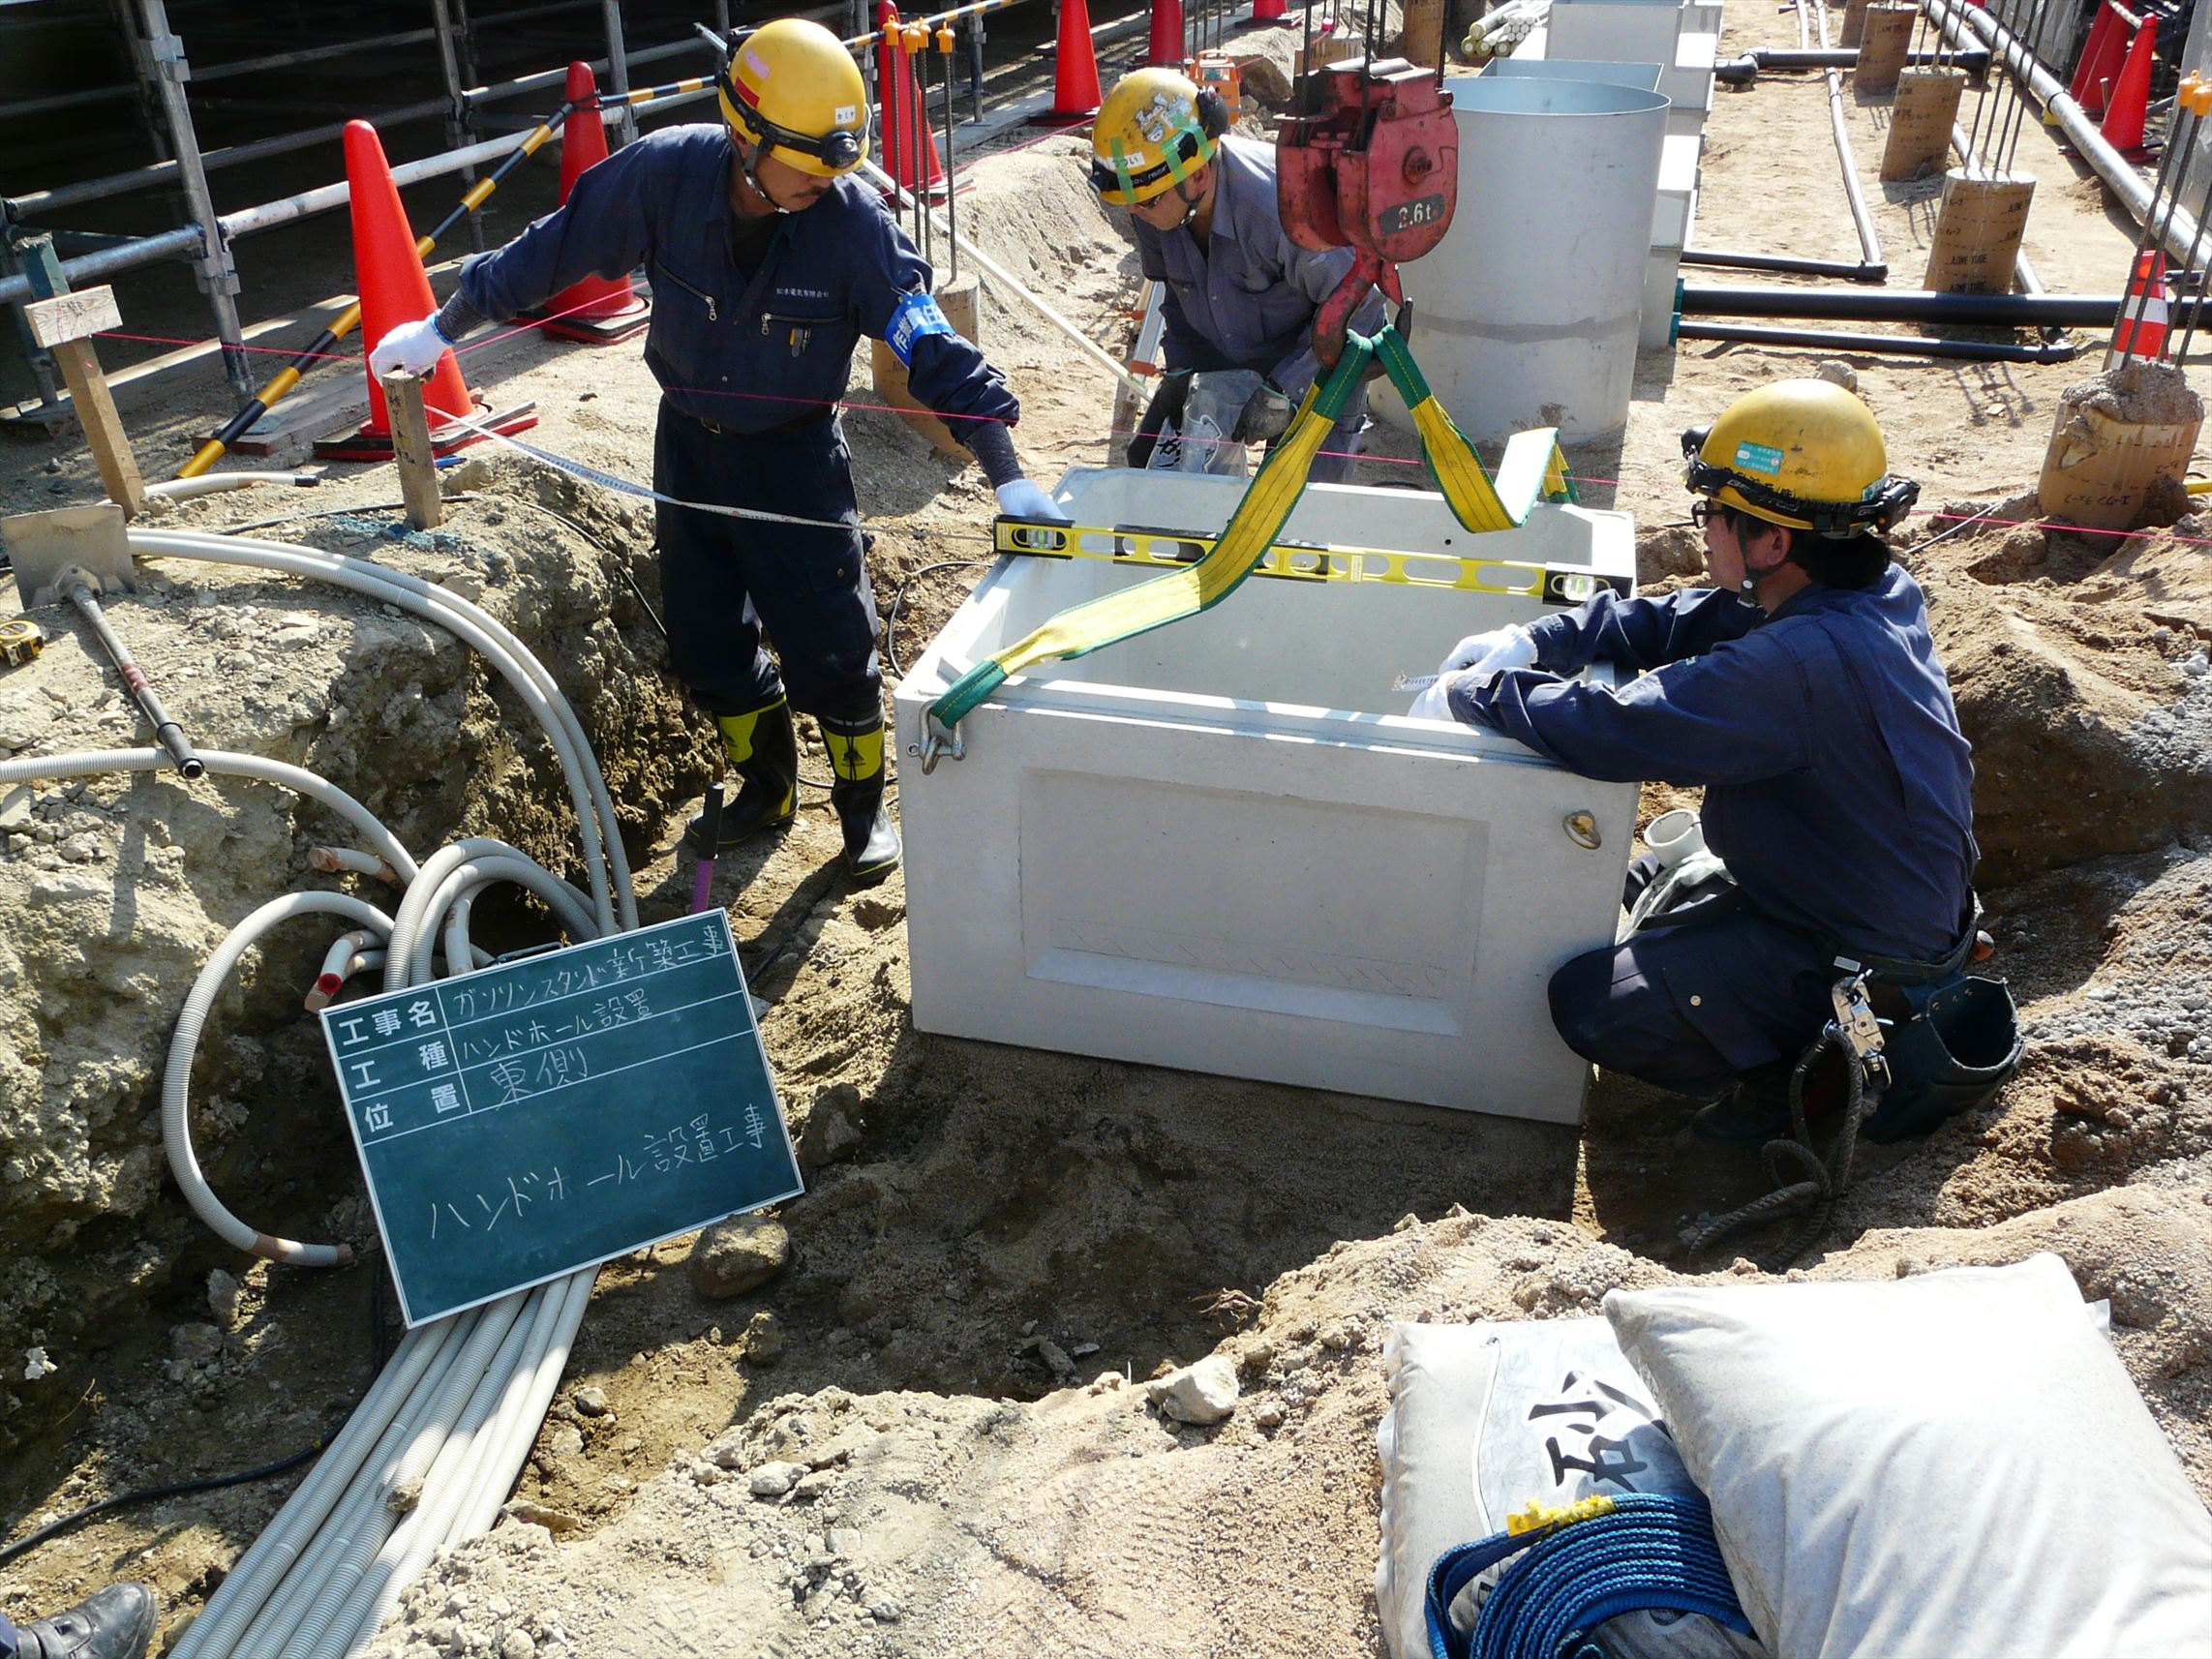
(472, 1402)
(466, 1463)
(1966, 26)
(91, 763)
(374, 1522)
(281, 1614)
(246, 1588)
(1869, 244)
(413, 917)
(213, 483)
(604, 857)
(568, 906)
(520, 1424)
(177, 1082)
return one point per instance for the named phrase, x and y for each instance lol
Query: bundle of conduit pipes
(454, 1413)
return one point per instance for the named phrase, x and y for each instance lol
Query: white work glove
(1434, 703)
(414, 346)
(1487, 654)
(1019, 498)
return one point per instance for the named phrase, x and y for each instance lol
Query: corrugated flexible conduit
(605, 860)
(459, 1406)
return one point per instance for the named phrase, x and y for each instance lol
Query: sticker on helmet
(845, 115)
(756, 63)
(915, 316)
(1758, 458)
(1161, 117)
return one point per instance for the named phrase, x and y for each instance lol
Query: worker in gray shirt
(1238, 353)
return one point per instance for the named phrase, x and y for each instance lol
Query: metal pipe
(1890, 345)
(217, 276)
(324, 197)
(90, 268)
(25, 209)
(1789, 262)
(619, 71)
(166, 732)
(1966, 24)
(1912, 305)
(312, 54)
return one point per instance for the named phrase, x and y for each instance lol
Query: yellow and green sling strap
(1532, 464)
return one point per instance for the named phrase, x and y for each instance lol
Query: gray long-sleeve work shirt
(1246, 300)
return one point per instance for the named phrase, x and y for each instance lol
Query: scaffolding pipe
(87, 268)
(1966, 26)
(23, 209)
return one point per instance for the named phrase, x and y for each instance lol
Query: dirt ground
(979, 1485)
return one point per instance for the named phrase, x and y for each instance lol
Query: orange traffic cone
(1266, 12)
(597, 311)
(1076, 95)
(394, 288)
(2144, 335)
(1165, 47)
(2122, 127)
(909, 144)
(2099, 59)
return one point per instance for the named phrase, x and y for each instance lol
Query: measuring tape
(21, 640)
(1309, 561)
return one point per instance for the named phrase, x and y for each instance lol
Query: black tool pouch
(1951, 1046)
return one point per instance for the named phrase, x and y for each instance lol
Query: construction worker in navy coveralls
(1237, 347)
(1803, 692)
(767, 263)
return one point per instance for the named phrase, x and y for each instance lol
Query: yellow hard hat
(1155, 128)
(1803, 453)
(792, 88)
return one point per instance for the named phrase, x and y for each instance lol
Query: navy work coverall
(751, 341)
(1246, 300)
(1838, 790)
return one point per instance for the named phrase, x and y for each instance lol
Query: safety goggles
(838, 149)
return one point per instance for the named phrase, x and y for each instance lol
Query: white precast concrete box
(1223, 846)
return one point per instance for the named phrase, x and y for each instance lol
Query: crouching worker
(767, 263)
(1237, 351)
(1802, 691)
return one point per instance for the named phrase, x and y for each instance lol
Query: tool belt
(1951, 1040)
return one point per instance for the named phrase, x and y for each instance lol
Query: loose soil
(973, 1491)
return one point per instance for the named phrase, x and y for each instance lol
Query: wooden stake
(411, 452)
(64, 323)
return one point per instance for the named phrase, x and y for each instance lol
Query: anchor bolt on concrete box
(1224, 846)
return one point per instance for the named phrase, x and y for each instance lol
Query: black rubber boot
(117, 1623)
(764, 750)
(1757, 1109)
(855, 760)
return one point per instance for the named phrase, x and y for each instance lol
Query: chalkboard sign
(541, 1116)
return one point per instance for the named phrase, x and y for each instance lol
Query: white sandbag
(1952, 1464)
(1485, 1420)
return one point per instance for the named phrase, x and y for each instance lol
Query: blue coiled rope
(1650, 1550)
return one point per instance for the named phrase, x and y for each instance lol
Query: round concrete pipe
(1525, 314)
(1912, 305)
(1887, 345)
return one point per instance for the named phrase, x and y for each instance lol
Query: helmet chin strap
(1190, 207)
(748, 158)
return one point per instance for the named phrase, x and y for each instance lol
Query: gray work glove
(1265, 416)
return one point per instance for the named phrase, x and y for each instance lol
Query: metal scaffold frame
(164, 71)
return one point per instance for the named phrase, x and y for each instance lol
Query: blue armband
(915, 316)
